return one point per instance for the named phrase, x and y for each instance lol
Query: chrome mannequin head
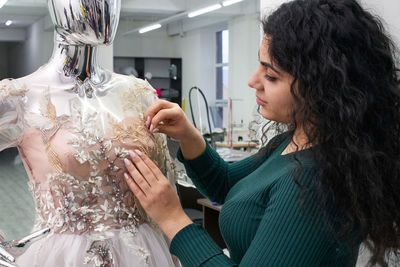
(85, 22)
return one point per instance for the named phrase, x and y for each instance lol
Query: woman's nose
(253, 81)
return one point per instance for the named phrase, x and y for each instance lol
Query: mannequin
(73, 123)
(81, 26)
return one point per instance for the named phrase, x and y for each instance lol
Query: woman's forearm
(192, 146)
(173, 226)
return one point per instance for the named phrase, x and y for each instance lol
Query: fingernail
(156, 130)
(126, 176)
(127, 162)
(151, 128)
(148, 122)
(132, 154)
(139, 152)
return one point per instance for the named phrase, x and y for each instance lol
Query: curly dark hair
(347, 89)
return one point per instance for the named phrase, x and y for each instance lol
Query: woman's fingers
(150, 165)
(162, 120)
(155, 107)
(141, 166)
(157, 197)
(136, 190)
(161, 115)
(143, 171)
(140, 180)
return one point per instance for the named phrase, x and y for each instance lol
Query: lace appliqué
(132, 133)
(100, 251)
(96, 203)
(7, 89)
(137, 96)
(48, 111)
(95, 150)
(163, 158)
(134, 99)
(100, 254)
(141, 252)
(12, 99)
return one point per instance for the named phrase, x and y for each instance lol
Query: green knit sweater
(262, 220)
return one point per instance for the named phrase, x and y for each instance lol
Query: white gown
(73, 145)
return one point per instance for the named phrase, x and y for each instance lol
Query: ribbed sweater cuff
(193, 246)
(208, 158)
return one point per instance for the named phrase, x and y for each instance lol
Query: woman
(315, 192)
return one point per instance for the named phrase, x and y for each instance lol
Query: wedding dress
(73, 143)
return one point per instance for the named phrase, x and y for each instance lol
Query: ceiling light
(8, 22)
(150, 28)
(2, 3)
(230, 2)
(204, 10)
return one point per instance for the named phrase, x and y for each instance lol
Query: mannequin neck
(77, 64)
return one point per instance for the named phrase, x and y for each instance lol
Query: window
(222, 77)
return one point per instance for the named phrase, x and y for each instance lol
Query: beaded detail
(85, 193)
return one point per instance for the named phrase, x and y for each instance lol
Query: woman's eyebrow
(268, 65)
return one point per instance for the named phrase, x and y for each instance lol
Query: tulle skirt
(117, 248)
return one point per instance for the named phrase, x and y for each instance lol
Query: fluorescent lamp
(230, 2)
(204, 10)
(8, 22)
(150, 28)
(2, 3)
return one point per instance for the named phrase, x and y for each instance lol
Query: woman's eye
(270, 78)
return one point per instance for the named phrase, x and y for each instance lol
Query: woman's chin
(265, 114)
(271, 117)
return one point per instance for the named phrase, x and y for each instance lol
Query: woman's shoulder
(280, 138)
(273, 144)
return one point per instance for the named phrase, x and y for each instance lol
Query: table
(237, 145)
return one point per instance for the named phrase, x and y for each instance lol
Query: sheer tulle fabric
(73, 146)
(146, 248)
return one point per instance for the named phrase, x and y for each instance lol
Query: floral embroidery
(141, 252)
(100, 255)
(7, 89)
(135, 134)
(135, 97)
(97, 203)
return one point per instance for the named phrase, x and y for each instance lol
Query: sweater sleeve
(213, 176)
(288, 235)
(194, 247)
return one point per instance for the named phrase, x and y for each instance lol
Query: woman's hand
(166, 117)
(155, 193)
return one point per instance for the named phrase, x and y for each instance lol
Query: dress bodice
(73, 146)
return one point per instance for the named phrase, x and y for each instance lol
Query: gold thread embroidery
(134, 135)
(54, 161)
(134, 97)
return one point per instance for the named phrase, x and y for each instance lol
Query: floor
(17, 212)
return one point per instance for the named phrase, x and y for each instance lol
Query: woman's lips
(260, 102)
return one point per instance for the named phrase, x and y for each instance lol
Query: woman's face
(272, 88)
